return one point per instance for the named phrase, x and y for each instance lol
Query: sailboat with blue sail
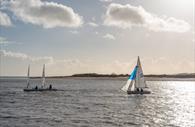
(136, 83)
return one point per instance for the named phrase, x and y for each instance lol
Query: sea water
(96, 102)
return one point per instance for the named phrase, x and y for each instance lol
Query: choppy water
(97, 103)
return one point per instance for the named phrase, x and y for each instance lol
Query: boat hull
(139, 92)
(31, 90)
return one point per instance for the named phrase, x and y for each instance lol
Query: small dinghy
(36, 88)
(136, 83)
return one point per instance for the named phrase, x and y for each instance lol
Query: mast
(28, 76)
(43, 76)
(137, 74)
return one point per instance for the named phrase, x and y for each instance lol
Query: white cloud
(109, 36)
(126, 16)
(150, 65)
(74, 32)
(105, 0)
(96, 32)
(167, 65)
(93, 19)
(46, 14)
(93, 24)
(3, 40)
(23, 56)
(5, 20)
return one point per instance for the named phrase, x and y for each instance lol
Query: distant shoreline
(183, 75)
(95, 75)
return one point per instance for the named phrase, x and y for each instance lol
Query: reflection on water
(175, 102)
(97, 102)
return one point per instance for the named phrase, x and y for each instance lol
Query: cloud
(3, 40)
(126, 16)
(167, 65)
(23, 56)
(74, 32)
(93, 19)
(93, 24)
(105, 0)
(109, 36)
(5, 20)
(46, 14)
(150, 65)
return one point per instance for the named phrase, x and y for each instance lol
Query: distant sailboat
(43, 77)
(28, 80)
(136, 83)
(28, 77)
(43, 85)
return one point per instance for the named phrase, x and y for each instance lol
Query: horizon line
(112, 74)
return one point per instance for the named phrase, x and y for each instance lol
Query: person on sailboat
(50, 86)
(36, 87)
(142, 90)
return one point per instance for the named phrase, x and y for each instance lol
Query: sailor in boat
(50, 86)
(36, 88)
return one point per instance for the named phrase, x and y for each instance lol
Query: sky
(96, 36)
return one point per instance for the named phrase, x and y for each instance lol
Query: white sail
(130, 85)
(140, 82)
(43, 76)
(28, 76)
(127, 86)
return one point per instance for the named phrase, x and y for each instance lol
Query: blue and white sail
(136, 79)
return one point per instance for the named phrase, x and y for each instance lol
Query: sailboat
(28, 77)
(43, 77)
(136, 83)
(43, 85)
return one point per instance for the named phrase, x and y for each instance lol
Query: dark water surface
(97, 102)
